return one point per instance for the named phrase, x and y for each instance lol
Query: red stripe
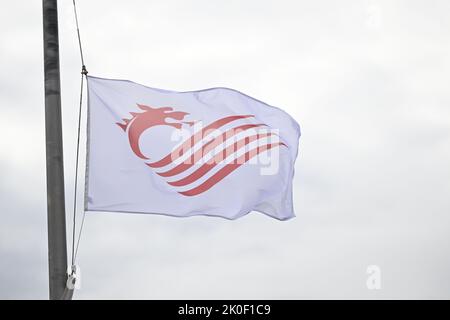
(229, 168)
(205, 168)
(193, 159)
(189, 143)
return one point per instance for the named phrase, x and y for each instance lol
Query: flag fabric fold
(214, 152)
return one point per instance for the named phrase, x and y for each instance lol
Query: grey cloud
(367, 81)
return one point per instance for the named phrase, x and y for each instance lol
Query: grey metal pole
(56, 216)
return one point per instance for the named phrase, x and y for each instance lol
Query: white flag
(214, 152)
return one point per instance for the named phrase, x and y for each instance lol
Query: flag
(213, 152)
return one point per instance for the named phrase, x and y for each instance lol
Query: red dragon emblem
(151, 117)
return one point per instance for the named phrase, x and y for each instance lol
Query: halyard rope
(83, 74)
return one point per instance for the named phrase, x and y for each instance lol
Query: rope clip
(84, 70)
(74, 278)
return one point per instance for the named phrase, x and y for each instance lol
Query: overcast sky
(368, 81)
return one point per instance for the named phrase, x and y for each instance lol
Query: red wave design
(194, 139)
(194, 158)
(139, 122)
(205, 168)
(228, 169)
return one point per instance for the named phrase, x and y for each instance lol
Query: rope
(78, 34)
(76, 171)
(83, 74)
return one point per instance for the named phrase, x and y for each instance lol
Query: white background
(366, 80)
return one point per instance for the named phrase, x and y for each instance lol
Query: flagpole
(56, 217)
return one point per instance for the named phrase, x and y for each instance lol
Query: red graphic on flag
(150, 117)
